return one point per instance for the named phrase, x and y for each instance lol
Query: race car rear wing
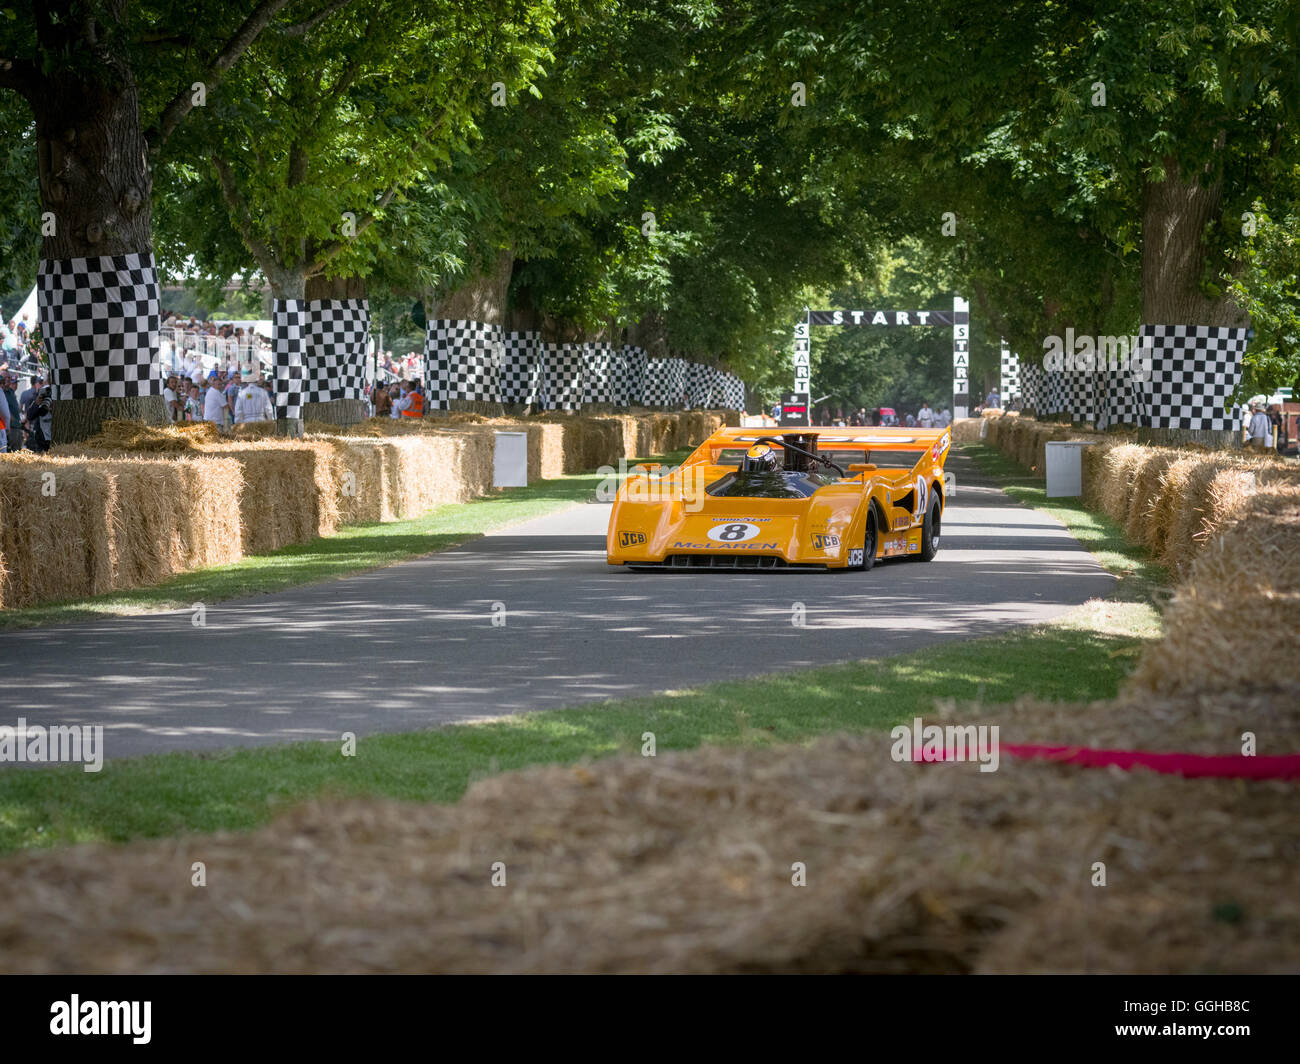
(873, 444)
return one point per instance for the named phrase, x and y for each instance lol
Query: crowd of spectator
(882, 416)
(402, 398)
(224, 399)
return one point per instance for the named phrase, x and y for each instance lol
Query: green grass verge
(352, 549)
(1081, 657)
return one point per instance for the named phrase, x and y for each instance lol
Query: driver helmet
(759, 459)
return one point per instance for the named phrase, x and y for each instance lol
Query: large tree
(107, 84)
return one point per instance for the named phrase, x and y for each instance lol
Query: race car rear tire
(870, 539)
(930, 529)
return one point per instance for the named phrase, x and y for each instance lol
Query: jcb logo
(627, 539)
(822, 541)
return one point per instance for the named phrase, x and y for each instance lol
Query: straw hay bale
(1231, 624)
(122, 435)
(54, 546)
(172, 515)
(290, 491)
(682, 863)
(1144, 490)
(967, 430)
(112, 523)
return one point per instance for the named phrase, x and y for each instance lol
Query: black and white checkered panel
(665, 382)
(699, 385)
(562, 376)
(520, 379)
(335, 354)
(631, 376)
(1031, 385)
(1122, 404)
(733, 392)
(462, 361)
(1010, 376)
(599, 373)
(439, 382)
(289, 340)
(1054, 393)
(1194, 371)
(99, 319)
(1081, 394)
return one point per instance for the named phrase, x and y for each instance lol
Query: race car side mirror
(862, 467)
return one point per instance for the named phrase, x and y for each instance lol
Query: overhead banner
(882, 317)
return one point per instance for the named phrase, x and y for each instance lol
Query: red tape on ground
(1191, 766)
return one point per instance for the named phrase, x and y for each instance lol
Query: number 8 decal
(922, 492)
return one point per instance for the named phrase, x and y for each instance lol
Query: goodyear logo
(628, 539)
(824, 541)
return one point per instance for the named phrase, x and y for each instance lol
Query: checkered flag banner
(631, 375)
(699, 385)
(733, 392)
(1120, 404)
(99, 319)
(334, 360)
(664, 382)
(1080, 394)
(520, 379)
(1054, 394)
(599, 373)
(1032, 385)
(1010, 379)
(462, 361)
(562, 367)
(289, 340)
(1194, 371)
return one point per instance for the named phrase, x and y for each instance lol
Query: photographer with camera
(40, 420)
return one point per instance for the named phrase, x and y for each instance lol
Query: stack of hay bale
(140, 503)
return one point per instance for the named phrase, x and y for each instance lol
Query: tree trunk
(481, 298)
(341, 412)
(1175, 216)
(96, 194)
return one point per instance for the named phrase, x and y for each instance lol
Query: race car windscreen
(894, 459)
(769, 485)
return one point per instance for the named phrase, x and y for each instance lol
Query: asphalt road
(413, 645)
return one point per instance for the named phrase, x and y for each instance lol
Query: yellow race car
(804, 499)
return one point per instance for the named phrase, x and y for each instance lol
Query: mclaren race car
(750, 498)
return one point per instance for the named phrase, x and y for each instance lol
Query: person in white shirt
(214, 405)
(252, 403)
(1260, 432)
(925, 416)
(169, 398)
(945, 417)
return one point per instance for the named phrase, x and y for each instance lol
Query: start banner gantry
(958, 319)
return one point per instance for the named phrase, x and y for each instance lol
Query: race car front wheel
(930, 532)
